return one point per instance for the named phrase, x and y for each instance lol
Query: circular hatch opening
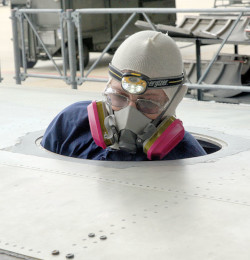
(209, 144)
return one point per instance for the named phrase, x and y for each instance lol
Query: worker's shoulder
(71, 116)
(77, 106)
(74, 111)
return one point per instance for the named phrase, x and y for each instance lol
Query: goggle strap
(157, 120)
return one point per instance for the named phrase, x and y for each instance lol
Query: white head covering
(155, 55)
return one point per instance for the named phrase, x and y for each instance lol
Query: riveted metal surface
(186, 209)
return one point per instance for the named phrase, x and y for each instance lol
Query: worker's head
(145, 87)
(147, 66)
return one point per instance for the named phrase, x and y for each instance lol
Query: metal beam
(17, 60)
(213, 86)
(159, 10)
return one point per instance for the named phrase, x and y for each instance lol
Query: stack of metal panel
(228, 69)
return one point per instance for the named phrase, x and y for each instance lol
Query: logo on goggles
(139, 86)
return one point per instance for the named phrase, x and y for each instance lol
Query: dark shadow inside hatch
(209, 147)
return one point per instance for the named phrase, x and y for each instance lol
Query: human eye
(148, 106)
(155, 97)
(117, 100)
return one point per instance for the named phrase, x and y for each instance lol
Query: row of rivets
(93, 235)
(70, 256)
(57, 252)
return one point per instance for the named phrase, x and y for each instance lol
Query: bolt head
(55, 252)
(70, 256)
(91, 234)
(103, 237)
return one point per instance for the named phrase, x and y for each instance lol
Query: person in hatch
(136, 121)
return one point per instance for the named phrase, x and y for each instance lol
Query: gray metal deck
(186, 209)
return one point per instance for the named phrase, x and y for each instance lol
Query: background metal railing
(73, 18)
(18, 17)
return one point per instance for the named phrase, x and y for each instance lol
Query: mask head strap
(157, 120)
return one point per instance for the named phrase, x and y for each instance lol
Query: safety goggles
(136, 83)
(146, 106)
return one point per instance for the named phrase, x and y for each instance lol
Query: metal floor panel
(190, 209)
(145, 212)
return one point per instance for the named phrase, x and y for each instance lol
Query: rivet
(91, 235)
(70, 256)
(55, 252)
(103, 237)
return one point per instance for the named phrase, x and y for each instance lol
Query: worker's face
(140, 102)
